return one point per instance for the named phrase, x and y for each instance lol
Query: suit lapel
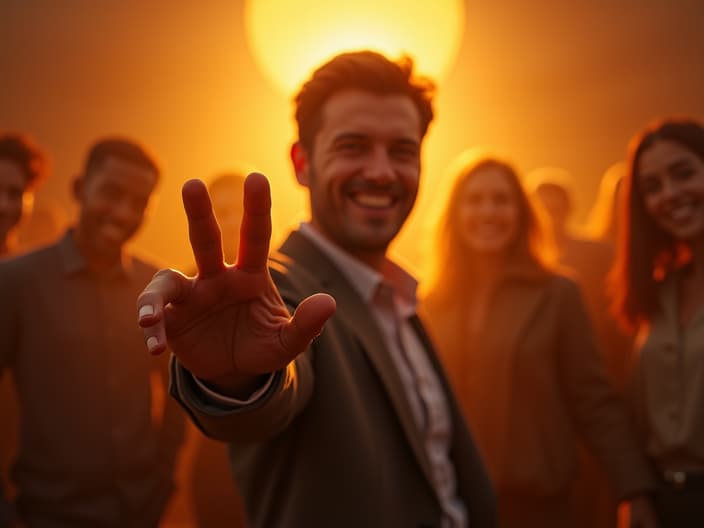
(366, 329)
(357, 316)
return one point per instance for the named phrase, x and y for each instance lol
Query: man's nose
(126, 213)
(380, 167)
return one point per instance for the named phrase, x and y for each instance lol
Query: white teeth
(373, 200)
(681, 212)
(112, 231)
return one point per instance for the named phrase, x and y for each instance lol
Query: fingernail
(146, 310)
(152, 343)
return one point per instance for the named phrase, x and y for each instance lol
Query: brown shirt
(90, 450)
(668, 386)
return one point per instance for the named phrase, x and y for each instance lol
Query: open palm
(229, 324)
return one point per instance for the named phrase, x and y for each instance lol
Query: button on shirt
(90, 450)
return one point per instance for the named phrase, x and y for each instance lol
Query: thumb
(307, 323)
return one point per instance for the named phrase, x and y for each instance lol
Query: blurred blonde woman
(603, 221)
(518, 345)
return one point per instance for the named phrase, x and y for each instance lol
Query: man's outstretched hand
(228, 325)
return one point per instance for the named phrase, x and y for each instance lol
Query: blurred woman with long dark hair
(659, 291)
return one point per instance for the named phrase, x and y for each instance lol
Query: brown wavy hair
(367, 71)
(646, 253)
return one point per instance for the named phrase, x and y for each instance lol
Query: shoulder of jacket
(37, 258)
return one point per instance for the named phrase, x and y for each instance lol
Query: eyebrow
(408, 141)
(678, 164)
(343, 136)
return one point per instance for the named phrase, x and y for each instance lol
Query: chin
(364, 242)
(489, 248)
(109, 251)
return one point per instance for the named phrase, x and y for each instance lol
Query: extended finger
(203, 229)
(255, 232)
(167, 286)
(307, 323)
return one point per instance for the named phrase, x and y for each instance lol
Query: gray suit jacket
(333, 442)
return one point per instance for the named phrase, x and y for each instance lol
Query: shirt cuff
(221, 399)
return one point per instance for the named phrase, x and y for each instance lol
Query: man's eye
(405, 152)
(350, 147)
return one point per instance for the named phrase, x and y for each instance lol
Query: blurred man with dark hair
(94, 449)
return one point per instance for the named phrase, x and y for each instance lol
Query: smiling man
(357, 426)
(90, 451)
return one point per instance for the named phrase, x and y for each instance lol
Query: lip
(112, 233)
(489, 231)
(681, 214)
(682, 211)
(371, 198)
(375, 201)
(488, 227)
(496, 237)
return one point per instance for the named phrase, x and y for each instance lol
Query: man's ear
(299, 158)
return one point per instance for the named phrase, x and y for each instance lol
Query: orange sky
(558, 83)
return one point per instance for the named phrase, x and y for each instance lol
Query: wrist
(236, 386)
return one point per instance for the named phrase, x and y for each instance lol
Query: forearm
(268, 415)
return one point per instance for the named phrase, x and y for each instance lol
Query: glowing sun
(289, 38)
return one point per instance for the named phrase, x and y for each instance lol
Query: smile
(373, 200)
(682, 211)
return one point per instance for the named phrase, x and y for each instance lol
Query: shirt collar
(74, 262)
(365, 279)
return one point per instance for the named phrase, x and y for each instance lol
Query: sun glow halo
(289, 39)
